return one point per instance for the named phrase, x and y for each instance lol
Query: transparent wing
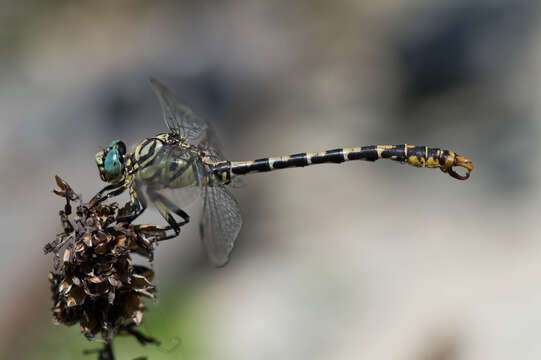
(220, 224)
(180, 119)
(211, 145)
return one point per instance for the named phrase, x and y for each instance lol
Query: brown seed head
(94, 282)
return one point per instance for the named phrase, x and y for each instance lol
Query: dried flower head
(94, 281)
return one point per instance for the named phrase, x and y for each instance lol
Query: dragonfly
(188, 157)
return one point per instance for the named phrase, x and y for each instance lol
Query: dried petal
(95, 290)
(64, 287)
(121, 240)
(144, 271)
(114, 280)
(96, 279)
(145, 293)
(90, 221)
(140, 282)
(102, 237)
(75, 297)
(79, 247)
(111, 297)
(61, 183)
(137, 317)
(101, 248)
(132, 304)
(67, 255)
(120, 250)
(87, 239)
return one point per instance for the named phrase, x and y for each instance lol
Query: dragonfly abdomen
(419, 156)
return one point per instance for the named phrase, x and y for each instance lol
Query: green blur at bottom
(174, 319)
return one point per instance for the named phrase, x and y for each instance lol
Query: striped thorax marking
(146, 151)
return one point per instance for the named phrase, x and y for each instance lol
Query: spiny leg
(172, 207)
(139, 204)
(164, 205)
(117, 189)
(99, 196)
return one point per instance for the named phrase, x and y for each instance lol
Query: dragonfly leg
(117, 189)
(165, 237)
(113, 193)
(164, 206)
(139, 204)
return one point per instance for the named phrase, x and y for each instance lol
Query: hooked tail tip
(462, 162)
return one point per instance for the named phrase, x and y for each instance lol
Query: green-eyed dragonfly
(188, 157)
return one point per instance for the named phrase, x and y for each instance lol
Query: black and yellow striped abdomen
(419, 156)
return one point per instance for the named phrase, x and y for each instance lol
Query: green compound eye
(117, 144)
(112, 164)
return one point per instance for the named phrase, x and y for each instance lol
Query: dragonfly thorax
(111, 160)
(165, 162)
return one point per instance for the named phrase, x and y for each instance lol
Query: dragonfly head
(110, 161)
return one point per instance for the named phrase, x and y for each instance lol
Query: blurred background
(362, 260)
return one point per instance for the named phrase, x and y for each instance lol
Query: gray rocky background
(357, 261)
